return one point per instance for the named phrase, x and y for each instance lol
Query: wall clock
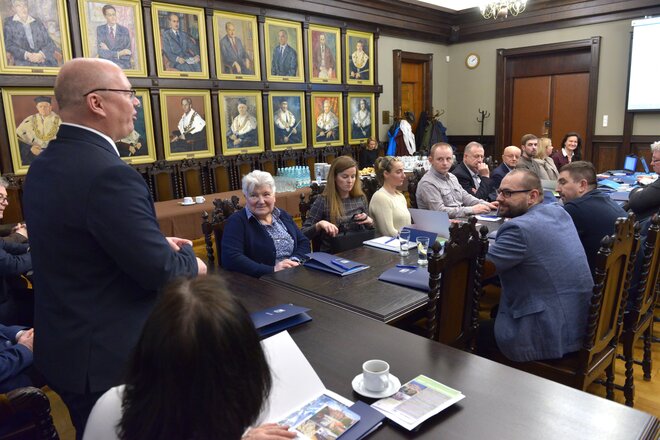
(472, 61)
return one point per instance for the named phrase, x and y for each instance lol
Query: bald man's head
(511, 155)
(79, 76)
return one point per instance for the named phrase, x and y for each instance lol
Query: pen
(338, 264)
(391, 239)
(403, 266)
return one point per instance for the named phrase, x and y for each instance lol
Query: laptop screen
(645, 165)
(630, 164)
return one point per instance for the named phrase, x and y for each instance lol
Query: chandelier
(502, 8)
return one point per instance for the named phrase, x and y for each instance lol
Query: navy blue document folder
(370, 420)
(281, 317)
(415, 278)
(333, 264)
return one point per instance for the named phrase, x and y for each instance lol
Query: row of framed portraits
(186, 120)
(114, 30)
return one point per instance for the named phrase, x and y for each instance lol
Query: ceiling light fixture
(502, 8)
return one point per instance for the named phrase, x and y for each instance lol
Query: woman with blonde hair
(548, 169)
(388, 206)
(342, 204)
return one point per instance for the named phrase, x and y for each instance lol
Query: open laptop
(629, 166)
(645, 165)
(431, 221)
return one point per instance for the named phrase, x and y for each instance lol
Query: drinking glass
(422, 250)
(404, 238)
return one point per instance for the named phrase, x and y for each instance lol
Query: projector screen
(644, 75)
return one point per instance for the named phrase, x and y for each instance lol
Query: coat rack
(484, 114)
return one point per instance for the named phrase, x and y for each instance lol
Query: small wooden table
(361, 292)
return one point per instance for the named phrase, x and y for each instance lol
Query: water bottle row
(292, 178)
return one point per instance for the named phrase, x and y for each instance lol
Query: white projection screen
(644, 76)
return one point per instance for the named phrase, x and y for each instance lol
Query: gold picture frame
(359, 57)
(139, 146)
(284, 52)
(114, 31)
(362, 121)
(180, 51)
(52, 45)
(328, 119)
(187, 133)
(324, 54)
(288, 128)
(237, 59)
(32, 122)
(241, 122)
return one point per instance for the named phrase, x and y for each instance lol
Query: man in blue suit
(15, 357)
(179, 48)
(473, 173)
(113, 40)
(285, 59)
(235, 58)
(546, 282)
(510, 157)
(98, 254)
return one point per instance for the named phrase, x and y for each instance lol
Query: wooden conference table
(180, 221)
(501, 402)
(360, 292)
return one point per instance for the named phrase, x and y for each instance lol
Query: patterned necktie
(112, 34)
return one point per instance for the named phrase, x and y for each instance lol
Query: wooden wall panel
(531, 106)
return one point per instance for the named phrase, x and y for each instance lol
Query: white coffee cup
(200, 199)
(376, 375)
(187, 200)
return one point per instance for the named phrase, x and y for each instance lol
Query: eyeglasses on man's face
(3, 199)
(132, 92)
(506, 193)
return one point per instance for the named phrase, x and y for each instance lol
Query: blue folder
(414, 233)
(276, 319)
(417, 278)
(333, 264)
(370, 420)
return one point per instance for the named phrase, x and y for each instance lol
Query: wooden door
(412, 87)
(549, 106)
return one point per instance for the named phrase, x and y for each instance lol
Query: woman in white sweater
(388, 207)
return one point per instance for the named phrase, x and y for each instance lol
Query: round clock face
(472, 61)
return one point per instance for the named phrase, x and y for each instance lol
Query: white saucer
(187, 204)
(358, 387)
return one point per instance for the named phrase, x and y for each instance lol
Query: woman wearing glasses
(261, 238)
(388, 206)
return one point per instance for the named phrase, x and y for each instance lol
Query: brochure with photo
(324, 418)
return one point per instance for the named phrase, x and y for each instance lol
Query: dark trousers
(80, 406)
(486, 343)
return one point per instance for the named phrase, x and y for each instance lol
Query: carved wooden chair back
(638, 318)
(213, 228)
(222, 174)
(369, 186)
(194, 178)
(33, 404)
(413, 181)
(166, 180)
(305, 205)
(455, 285)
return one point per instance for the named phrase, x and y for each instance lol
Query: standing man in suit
(285, 59)
(179, 47)
(113, 40)
(473, 173)
(98, 254)
(235, 58)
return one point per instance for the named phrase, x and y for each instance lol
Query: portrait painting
(241, 122)
(113, 30)
(324, 54)
(179, 41)
(32, 122)
(284, 51)
(236, 41)
(187, 129)
(359, 57)
(139, 147)
(287, 120)
(327, 117)
(34, 37)
(361, 117)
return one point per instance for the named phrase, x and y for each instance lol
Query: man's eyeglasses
(132, 92)
(506, 193)
(3, 199)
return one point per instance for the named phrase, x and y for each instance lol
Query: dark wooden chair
(214, 228)
(305, 205)
(413, 181)
(455, 286)
(25, 412)
(166, 181)
(638, 318)
(369, 186)
(194, 178)
(598, 353)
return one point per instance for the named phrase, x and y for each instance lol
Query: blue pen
(391, 239)
(338, 264)
(403, 266)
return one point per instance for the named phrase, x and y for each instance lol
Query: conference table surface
(501, 402)
(360, 292)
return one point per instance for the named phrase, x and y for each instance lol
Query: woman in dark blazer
(261, 238)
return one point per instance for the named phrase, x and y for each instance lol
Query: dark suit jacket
(14, 358)
(122, 41)
(15, 300)
(99, 259)
(231, 56)
(183, 47)
(465, 179)
(645, 201)
(284, 64)
(498, 174)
